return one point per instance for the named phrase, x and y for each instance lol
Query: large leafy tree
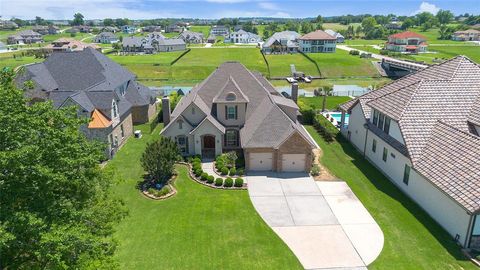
(78, 19)
(159, 158)
(56, 211)
(444, 16)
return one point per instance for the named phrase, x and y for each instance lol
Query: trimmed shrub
(224, 171)
(354, 52)
(308, 113)
(204, 176)
(218, 182)
(326, 129)
(233, 171)
(210, 179)
(196, 166)
(228, 182)
(239, 182)
(315, 170)
(197, 159)
(198, 172)
(219, 165)
(152, 191)
(240, 172)
(164, 191)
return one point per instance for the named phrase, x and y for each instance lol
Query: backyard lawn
(341, 64)
(8, 60)
(280, 64)
(316, 102)
(412, 239)
(199, 228)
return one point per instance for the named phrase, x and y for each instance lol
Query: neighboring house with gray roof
(102, 90)
(106, 38)
(190, 37)
(154, 42)
(244, 37)
(340, 37)
(46, 29)
(422, 131)
(25, 37)
(281, 43)
(235, 109)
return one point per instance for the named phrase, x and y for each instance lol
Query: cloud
(427, 7)
(268, 6)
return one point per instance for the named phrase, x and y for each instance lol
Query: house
(211, 39)
(407, 42)
(102, 90)
(8, 25)
(317, 42)
(340, 38)
(236, 109)
(467, 35)
(168, 44)
(237, 27)
(154, 42)
(46, 30)
(152, 28)
(128, 29)
(190, 37)
(25, 37)
(106, 38)
(70, 45)
(112, 29)
(244, 37)
(136, 45)
(281, 42)
(174, 28)
(422, 131)
(219, 30)
(80, 28)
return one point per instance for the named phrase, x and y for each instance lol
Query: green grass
(341, 64)
(205, 29)
(331, 103)
(363, 82)
(199, 228)
(7, 60)
(412, 239)
(447, 52)
(280, 64)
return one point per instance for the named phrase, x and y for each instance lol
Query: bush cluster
(326, 129)
(218, 182)
(228, 182)
(354, 52)
(315, 171)
(224, 171)
(210, 179)
(233, 171)
(204, 176)
(159, 193)
(238, 182)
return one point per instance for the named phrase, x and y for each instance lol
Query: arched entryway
(208, 146)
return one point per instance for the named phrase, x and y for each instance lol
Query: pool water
(338, 117)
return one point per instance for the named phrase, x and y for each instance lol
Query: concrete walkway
(323, 223)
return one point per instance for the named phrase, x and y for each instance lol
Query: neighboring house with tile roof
(102, 90)
(235, 109)
(25, 37)
(422, 131)
(281, 43)
(317, 42)
(244, 37)
(407, 42)
(466, 35)
(106, 38)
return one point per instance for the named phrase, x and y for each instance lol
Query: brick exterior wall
(296, 144)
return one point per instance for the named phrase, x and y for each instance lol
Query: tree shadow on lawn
(382, 183)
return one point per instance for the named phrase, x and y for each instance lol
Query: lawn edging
(194, 178)
(164, 197)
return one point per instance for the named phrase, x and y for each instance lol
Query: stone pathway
(323, 223)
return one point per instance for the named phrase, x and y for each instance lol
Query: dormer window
(180, 124)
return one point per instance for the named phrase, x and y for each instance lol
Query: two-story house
(219, 30)
(103, 92)
(281, 43)
(244, 37)
(106, 38)
(466, 35)
(317, 42)
(407, 42)
(422, 131)
(235, 109)
(128, 29)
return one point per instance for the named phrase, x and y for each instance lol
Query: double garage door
(264, 162)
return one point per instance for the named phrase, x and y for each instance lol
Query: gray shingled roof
(266, 125)
(435, 109)
(133, 41)
(230, 88)
(286, 35)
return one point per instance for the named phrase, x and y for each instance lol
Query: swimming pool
(338, 117)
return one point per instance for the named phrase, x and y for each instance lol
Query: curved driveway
(323, 223)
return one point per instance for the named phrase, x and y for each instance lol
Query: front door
(208, 149)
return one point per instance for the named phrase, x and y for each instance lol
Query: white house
(317, 42)
(340, 38)
(245, 37)
(422, 131)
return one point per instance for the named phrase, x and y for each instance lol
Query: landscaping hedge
(238, 182)
(325, 128)
(218, 182)
(210, 179)
(224, 171)
(204, 176)
(233, 171)
(228, 182)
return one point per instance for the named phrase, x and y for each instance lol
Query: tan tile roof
(318, 35)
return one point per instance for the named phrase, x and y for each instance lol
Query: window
(374, 145)
(375, 117)
(381, 118)
(231, 138)
(406, 174)
(122, 131)
(386, 127)
(114, 109)
(231, 112)
(182, 143)
(180, 124)
(385, 154)
(111, 140)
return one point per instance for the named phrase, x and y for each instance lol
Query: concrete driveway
(323, 223)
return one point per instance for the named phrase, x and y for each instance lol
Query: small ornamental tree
(230, 158)
(159, 158)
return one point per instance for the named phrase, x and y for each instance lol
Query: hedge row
(325, 128)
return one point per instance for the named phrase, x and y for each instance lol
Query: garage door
(261, 161)
(293, 162)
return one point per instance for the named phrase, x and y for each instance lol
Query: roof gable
(230, 92)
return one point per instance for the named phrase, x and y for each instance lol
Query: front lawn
(198, 228)
(412, 239)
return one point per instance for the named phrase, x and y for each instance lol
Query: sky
(215, 9)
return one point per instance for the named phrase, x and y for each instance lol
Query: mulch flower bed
(192, 175)
(172, 192)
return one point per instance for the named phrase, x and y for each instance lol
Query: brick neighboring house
(317, 42)
(70, 45)
(106, 93)
(281, 43)
(25, 37)
(242, 36)
(467, 35)
(152, 28)
(235, 109)
(407, 42)
(106, 38)
(190, 37)
(46, 29)
(422, 131)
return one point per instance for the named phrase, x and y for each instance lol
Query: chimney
(166, 110)
(294, 92)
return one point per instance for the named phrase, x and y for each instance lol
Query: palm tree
(327, 90)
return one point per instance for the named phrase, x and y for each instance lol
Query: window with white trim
(406, 174)
(231, 112)
(231, 138)
(182, 143)
(114, 109)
